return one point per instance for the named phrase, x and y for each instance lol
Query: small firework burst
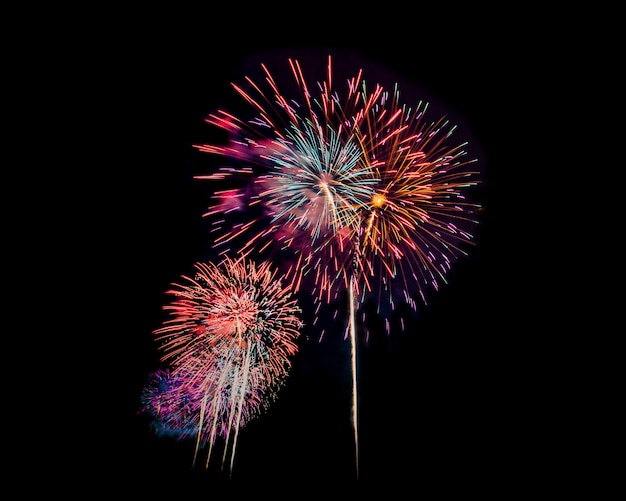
(229, 341)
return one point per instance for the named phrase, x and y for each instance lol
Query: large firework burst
(309, 176)
(359, 187)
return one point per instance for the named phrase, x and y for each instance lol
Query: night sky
(446, 398)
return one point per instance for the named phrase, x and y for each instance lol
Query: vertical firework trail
(357, 192)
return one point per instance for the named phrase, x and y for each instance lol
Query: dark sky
(446, 398)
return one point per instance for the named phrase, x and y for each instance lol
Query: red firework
(229, 341)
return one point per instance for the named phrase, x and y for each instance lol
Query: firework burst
(309, 176)
(229, 341)
(418, 221)
(367, 194)
(168, 400)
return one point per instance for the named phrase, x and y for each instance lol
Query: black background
(462, 397)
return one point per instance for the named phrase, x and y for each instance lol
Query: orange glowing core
(378, 200)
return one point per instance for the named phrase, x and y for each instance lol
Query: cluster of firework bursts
(332, 192)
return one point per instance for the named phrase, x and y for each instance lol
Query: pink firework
(229, 341)
(309, 181)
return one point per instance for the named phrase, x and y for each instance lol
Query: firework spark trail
(355, 400)
(229, 342)
(367, 194)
